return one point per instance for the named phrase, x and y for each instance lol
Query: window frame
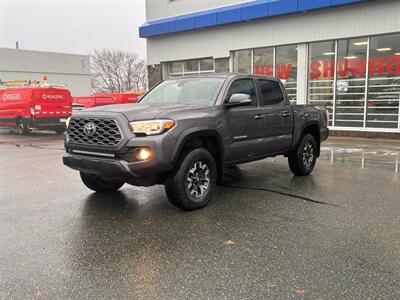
(184, 72)
(261, 98)
(257, 104)
(367, 88)
(292, 97)
(234, 60)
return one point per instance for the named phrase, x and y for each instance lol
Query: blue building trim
(247, 11)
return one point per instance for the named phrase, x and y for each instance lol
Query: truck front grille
(98, 132)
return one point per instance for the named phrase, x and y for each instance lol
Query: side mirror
(238, 100)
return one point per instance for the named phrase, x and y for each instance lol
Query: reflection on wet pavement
(367, 154)
(265, 235)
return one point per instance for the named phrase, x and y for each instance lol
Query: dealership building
(341, 54)
(71, 70)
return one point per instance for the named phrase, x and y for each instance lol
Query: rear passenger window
(244, 86)
(271, 92)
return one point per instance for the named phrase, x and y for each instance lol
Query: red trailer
(42, 107)
(93, 100)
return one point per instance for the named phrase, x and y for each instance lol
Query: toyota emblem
(89, 129)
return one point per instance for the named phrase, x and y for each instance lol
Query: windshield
(186, 91)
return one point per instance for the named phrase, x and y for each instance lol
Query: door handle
(259, 117)
(285, 114)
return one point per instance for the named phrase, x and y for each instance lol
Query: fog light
(143, 153)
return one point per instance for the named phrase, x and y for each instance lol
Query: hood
(137, 112)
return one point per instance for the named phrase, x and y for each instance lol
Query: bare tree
(116, 71)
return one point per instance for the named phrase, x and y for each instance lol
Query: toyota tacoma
(185, 131)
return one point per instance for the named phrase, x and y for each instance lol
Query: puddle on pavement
(364, 158)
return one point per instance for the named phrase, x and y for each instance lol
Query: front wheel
(99, 184)
(302, 159)
(22, 127)
(193, 182)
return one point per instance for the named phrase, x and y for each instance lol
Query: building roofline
(236, 13)
(44, 51)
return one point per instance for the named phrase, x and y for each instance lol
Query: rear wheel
(302, 159)
(99, 184)
(193, 182)
(22, 127)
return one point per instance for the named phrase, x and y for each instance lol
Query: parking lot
(265, 235)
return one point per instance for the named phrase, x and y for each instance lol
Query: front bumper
(46, 122)
(111, 168)
(117, 168)
(119, 161)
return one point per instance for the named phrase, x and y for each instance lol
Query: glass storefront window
(190, 67)
(350, 82)
(175, 67)
(321, 74)
(207, 64)
(384, 82)
(221, 65)
(242, 61)
(286, 69)
(359, 89)
(264, 61)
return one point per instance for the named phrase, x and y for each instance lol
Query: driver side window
(244, 86)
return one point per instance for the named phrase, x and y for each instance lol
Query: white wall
(61, 68)
(348, 21)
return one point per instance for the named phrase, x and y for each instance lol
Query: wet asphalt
(266, 235)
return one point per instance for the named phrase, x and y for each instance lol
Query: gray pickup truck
(185, 131)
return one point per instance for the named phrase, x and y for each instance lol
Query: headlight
(67, 121)
(151, 127)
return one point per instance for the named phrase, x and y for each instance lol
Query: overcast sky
(75, 26)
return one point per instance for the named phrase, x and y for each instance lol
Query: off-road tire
(22, 128)
(99, 184)
(300, 163)
(177, 186)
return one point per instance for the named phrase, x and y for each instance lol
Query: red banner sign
(356, 67)
(378, 66)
